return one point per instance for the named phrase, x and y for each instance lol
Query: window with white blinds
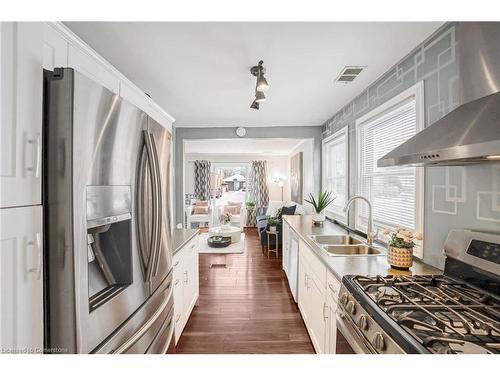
(335, 173)
(396, 193)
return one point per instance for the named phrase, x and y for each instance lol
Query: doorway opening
(229, 183)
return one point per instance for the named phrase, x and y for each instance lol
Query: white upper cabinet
(55, 48)
(92, 68)
(21, 45)
(21, 279)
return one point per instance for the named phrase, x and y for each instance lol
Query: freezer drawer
(164, 340)
(143, 331)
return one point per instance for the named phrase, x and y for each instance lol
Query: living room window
(335, 157)
(396, 193)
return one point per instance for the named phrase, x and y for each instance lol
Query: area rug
(234, 248)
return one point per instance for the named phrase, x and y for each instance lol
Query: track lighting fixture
(261, 85)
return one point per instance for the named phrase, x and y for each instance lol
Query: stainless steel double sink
(343, 245)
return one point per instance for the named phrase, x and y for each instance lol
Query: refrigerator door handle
(154, 188)
(158, 221)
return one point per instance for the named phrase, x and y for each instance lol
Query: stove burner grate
(445, 316)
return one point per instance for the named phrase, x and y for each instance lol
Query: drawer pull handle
(176, 264)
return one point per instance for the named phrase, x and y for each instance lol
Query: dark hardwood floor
(245, 307)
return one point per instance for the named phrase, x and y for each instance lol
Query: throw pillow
(288, 210)
(201, 203)
(200, 210)
(229, 203)
(233, 210)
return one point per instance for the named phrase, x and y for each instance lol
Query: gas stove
(457, 312)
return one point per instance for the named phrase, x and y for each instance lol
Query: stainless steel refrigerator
(108, 276)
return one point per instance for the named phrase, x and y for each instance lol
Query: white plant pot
(319, 218)
(272, 229)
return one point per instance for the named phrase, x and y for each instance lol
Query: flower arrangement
(403, 238)
(400, 250)
(225, 218)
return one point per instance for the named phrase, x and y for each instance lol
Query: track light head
(255, 105)
(262, 84)
(260, 97)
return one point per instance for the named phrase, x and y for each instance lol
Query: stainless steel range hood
(471, 132)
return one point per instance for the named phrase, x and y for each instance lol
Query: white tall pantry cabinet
(21, 257)
(26, 48)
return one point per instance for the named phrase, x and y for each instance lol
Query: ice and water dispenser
(109, 242)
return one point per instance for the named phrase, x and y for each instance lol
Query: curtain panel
(258, 189)
(202, 179)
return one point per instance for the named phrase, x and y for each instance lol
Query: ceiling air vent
(349, 73)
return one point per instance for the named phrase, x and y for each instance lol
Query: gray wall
(181, 134)
(455, 197)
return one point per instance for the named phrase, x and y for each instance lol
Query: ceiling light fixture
(261, 85)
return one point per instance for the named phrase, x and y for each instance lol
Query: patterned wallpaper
(455, 197)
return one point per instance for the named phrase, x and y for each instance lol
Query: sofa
(272, 210)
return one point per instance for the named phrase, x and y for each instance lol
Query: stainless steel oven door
(352, 334)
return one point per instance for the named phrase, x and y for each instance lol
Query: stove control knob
(344, 298)
(363, 322)
(379, 341)
(351, 307)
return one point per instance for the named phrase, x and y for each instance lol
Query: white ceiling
(199, 72)
(270, 146)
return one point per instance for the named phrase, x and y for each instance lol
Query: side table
(275, 249)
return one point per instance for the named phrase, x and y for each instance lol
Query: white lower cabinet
(186, 284)
(312, 296)
(317, 295)
(21, 280)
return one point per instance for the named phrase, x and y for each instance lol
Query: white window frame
(332, 138)
(416, 92)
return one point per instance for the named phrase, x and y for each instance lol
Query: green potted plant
(273, 222)
(250, 204)
(319, 205)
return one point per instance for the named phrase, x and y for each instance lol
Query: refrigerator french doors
(108, 254)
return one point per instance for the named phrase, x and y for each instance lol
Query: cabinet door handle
(325, 309)
(185, 277)
(177, 317)
(176, 264)
(38, 246)
(36, 167)
(176, 281)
